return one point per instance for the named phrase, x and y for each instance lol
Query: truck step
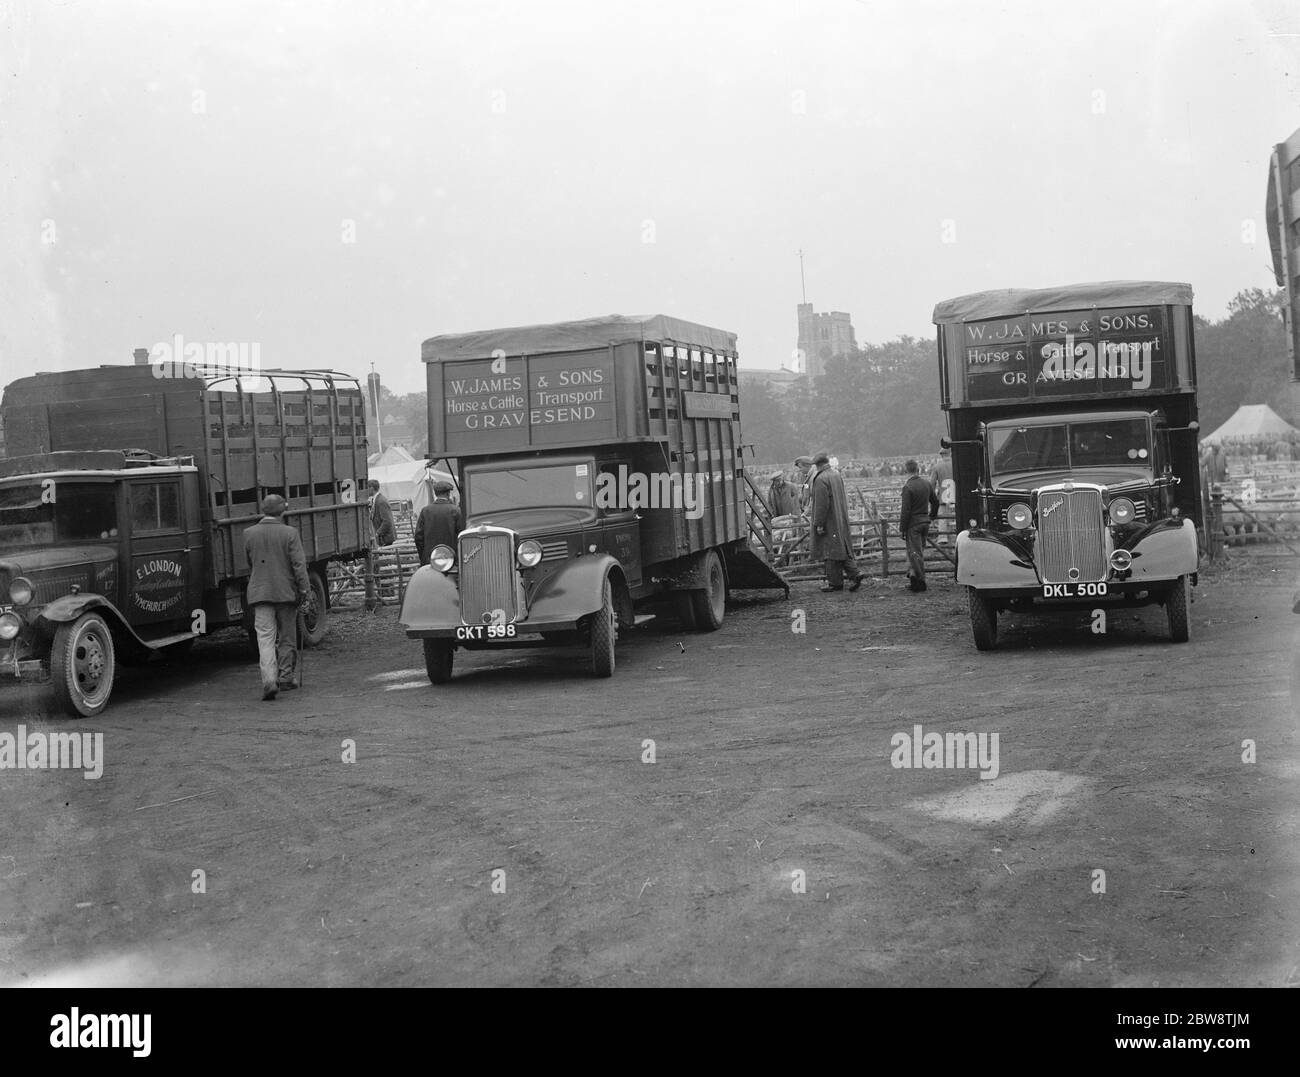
(641, 619)
(167, 641)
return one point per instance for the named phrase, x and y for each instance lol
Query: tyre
(1178, 607)
(315, 626)
(983, 621)
(82, 665)
(604, 631)
(710, 604)
(437, 659)
(685, 608)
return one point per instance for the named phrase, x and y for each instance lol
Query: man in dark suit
(919, 504)
(439, 522)
(277, 585)
(381, 516)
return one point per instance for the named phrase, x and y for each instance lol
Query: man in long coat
(832, 541)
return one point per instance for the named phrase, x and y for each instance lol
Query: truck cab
(1072, 419)
(102, 560)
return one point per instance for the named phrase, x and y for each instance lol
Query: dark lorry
(600, 467)
(1072, 418)
(124, 499)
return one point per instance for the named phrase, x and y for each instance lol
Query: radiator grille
(487, 577)
(1071, 536)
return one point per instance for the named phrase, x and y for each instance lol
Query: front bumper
(987, 563)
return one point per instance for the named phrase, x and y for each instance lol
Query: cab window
(155, 506)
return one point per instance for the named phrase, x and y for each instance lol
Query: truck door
(620, 532)
(162, 580)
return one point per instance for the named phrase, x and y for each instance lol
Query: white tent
(1251, 421)
(410, 481)
(394, 454)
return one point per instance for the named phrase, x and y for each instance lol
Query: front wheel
(604, 631)
(983, 621)
(437, 660)
(710, 604)
(315, 623)
(1177, 606)
(82, 664)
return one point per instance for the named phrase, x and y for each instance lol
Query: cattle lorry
(124, 499)
(1072, 420)
(599, 465)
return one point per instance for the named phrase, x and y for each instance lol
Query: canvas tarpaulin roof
(576, 336)
(1010, 302)
(1251, 421)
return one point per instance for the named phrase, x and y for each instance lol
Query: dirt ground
(1120, 753)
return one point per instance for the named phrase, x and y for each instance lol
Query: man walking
(277, 585)
(439, 522)
(832, 540)
(381, 516)
(919, 504)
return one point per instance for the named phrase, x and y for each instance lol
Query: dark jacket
(438, 524)
(278, 565)
(830, 511)
(381, 519)
(919, 502)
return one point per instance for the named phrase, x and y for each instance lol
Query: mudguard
(1166, 553)
(574, 591)
(67, 609)
(432, 600)
(984, 560)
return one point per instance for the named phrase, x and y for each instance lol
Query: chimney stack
(141, 356)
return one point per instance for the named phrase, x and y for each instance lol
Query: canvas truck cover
(1112, 339)
(583, 383)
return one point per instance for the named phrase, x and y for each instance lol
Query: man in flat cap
(439, 522)
(832, 540)
(277, 585)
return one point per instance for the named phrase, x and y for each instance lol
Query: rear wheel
(1177, 606)
(710, 604)
(82, 664)
(604, 631)
(983, 621)
(316, 622)
(437, 659)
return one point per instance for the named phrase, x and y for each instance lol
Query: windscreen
(1066, 446)
(554, 486)
(79, 512)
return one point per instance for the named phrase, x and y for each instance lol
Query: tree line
(882, 400)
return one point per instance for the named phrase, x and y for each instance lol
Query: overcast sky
(338, 181)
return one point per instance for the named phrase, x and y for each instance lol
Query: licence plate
(1074, 590)
(479, 632)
